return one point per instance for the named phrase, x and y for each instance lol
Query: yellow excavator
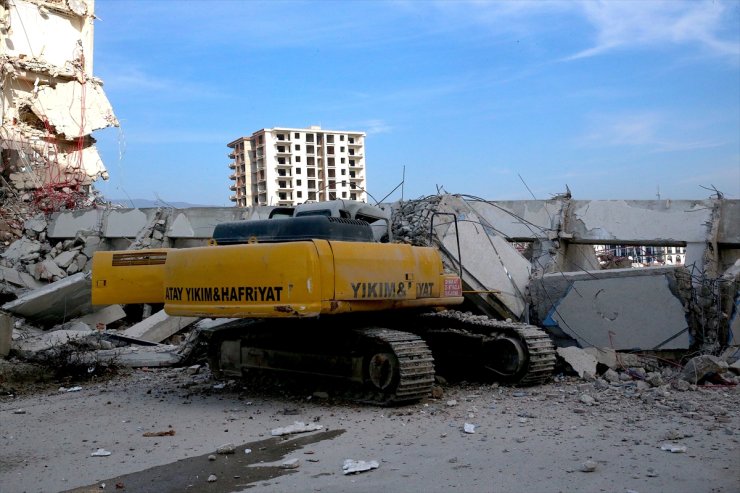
(313, 291)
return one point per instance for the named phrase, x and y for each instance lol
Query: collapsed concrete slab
(18, 279)
(158, 327)
(104, 316)
(141, 356)
(622, 309)
(55, 303)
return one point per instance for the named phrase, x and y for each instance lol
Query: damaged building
(51, 104)
(528, 261)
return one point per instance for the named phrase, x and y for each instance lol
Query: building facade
(290, 166)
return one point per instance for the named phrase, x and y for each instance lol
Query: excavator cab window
(323, 212)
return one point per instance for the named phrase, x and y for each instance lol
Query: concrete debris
(469, 428)
(296, 427)
(672, 448)
(352, 466)
(212, 478)
(142, 356)
(226, 448)
(589, 466)
(57, 302)
(101, 452)
(103, 316)
(168, 433)
(583, 363)
(604, 356)
(290, 464)
(158, 327)
(701, 366)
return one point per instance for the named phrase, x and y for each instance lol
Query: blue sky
(614, 99)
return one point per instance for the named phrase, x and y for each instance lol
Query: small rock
(212, 478)
(655, 379)
(247, 450)
(588, 466)
(19, 411)
(672, 448)
(321, 395)
(352, 466)
(192, 370)
(451, 402)
(212, 457)
(290, 464)
(437, 392)
(469, 428)
(226, 448)
(587, 399)
(611, 376)
(101, 452)
(681, 385)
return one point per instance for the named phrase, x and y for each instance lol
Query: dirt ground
(535, 439)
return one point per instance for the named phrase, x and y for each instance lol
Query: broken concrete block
(104, 316)
(604, 355)
(20, 279)
(6, 334)
(582, 362)
(65, 259)
(20, 248)
(296, 427)
(141, 356)
(158, 327)
(36, 224)
(48, 340)
(701, 366)
(56, 302)
(48, 270)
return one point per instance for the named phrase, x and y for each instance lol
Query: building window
(311, 195)
(344, 195)
(299, 194)
(341, 149)
(351, 152)
(297, 147)
(281, 148)
(351, 140)
(353, 196)
(351, 162)
(298, 183)
(331, 173)
(330, 149)
(311, 161)
(298, 159)
(311, 172)
(332, 185)
(280, 136)
(283, 196)
(311, 183)
(297, 135)
(329, 139)
(309, 149)
(341, 160)
(344, 171)
(298, 171)
(331, 161)
(341, 137)
(281, 184)
(281, 160)
(309, 137)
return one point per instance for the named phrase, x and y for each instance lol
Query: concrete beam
(158, 327)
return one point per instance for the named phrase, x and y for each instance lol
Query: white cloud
(654, 130)
(651, 24)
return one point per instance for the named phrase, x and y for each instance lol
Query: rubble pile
(411, 220)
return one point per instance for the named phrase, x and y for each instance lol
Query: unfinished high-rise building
(51, 103)
(289, 166)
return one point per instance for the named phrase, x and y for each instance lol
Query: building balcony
(354, 144)
(232, 176)
(356, 178)
(232, 165)
(356, 155)
(356, 165)
(232, 198)
(231, 155)
(232, 188)
(285, 188)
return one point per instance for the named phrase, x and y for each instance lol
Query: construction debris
(296, 427)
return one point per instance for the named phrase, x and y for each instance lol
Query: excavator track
(414, 374)
(536, 352)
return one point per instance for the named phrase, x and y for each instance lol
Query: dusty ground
(533, 440)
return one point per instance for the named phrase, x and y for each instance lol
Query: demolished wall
(51, 104)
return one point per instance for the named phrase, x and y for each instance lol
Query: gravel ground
(567, 436)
